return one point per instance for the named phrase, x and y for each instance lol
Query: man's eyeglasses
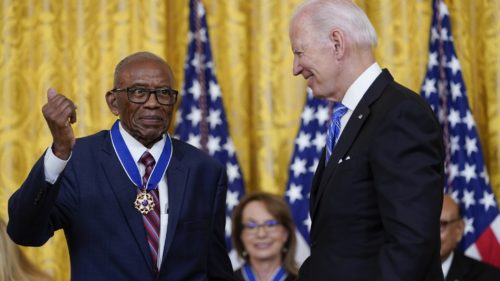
(443, 224)
(267, 226)
(140, 95)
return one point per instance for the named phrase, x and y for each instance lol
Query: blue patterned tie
(334, 129)
(152, 219)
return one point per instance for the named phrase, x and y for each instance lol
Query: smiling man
(134, 204)
(376, 195)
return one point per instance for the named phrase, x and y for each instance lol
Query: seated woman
(14, 265)
(263, 234)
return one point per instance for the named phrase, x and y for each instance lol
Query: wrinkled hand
(60, 113)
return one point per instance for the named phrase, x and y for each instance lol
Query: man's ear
(338, 42)
(112, 103)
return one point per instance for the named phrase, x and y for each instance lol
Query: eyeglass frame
(130, 90)
(268, 226)
(443, 224)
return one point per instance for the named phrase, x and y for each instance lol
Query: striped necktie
(152, 219)
(333, 133)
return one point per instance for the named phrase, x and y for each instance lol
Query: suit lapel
(316, 181)
(125, 193)
(457, 268)
(348, 136)
(177, 175)
(341, 148)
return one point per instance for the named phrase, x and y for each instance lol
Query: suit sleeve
(39, 208)
(219, 265)
(408, 174)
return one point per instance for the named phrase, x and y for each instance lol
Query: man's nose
(297, 68)
(152, 100)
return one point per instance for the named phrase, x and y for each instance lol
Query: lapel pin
(340, 161)
(348, 157)
(360, 116)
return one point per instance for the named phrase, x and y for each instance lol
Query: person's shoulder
(403, 93)
(397, 98)
(477, 270)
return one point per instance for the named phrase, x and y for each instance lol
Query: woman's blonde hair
(14, 265)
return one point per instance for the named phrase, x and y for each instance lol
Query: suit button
(38, 197)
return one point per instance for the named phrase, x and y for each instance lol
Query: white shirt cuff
(53, 166)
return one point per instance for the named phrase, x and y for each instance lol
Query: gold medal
(144, 202)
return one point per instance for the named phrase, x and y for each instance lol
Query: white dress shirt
(445, 266)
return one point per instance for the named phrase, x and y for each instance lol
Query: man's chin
(148, 139)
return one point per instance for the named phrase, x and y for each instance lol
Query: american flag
(466, 175)
(309, 144)
(200, 118)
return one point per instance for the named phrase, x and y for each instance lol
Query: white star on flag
(294, 193)
(488, 200)
(322, 114)
(303, 140)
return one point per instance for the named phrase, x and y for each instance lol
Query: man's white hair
(324, 15)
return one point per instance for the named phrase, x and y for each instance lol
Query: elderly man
(377, 192)
(134, 204)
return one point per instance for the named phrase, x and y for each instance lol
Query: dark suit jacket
(375, 207)
(92, 201)
(466, 269)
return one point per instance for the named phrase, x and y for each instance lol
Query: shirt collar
(358, 89)
(447, 264)
(137, 149)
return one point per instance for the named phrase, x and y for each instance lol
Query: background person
(134, 204)
(455, 265)
(263, 234)
(377, 192)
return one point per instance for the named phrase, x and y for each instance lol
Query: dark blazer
(466, 269)
(92, 201)
(375, 207)
(239, 276)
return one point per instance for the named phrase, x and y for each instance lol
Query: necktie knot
(147, 159)
(149, 162)
(338, 111)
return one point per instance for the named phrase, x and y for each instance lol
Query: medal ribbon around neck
(250, 276)
(130, 166)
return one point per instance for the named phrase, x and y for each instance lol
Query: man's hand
(60, 113)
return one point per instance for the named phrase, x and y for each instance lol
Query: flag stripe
(489, 254)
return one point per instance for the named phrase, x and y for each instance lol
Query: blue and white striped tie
(333, 133)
